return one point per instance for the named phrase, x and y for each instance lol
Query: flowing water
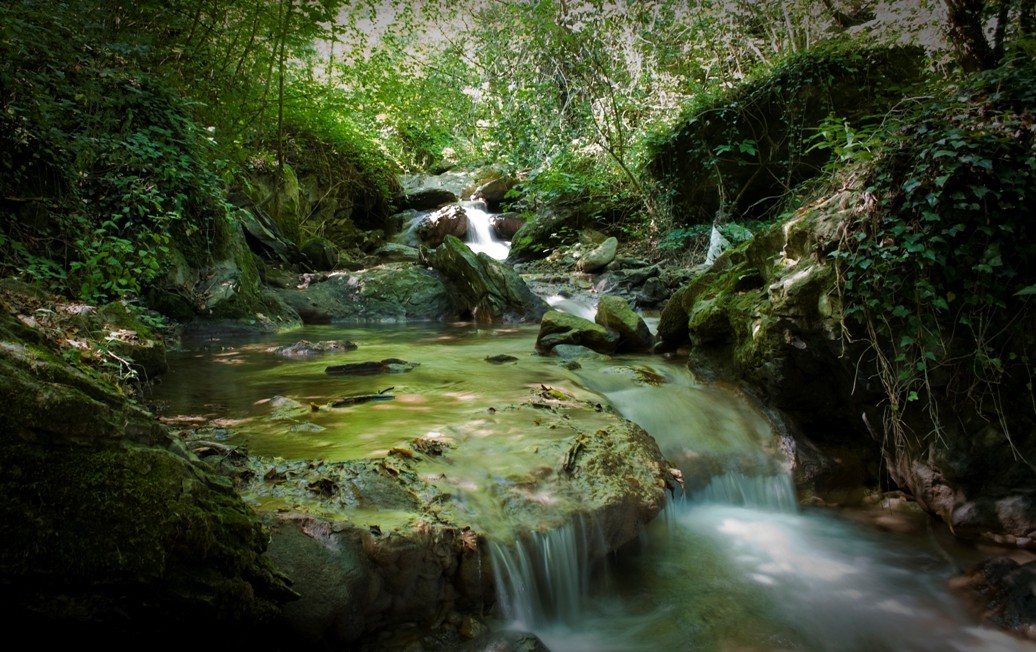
(480, 237)
(480, 233)
(732, 565)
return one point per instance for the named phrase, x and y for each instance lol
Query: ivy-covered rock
(750, 145)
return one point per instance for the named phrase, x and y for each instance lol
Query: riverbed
(735, 564)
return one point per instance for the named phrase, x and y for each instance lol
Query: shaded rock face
(321, 254)
(414, 547)
(1002, 593)
(490, 291)
(448, 220)
(505, 225)
(557, 328)
(112, 527)
(769, 312)
(538, 237)
(226, 295)
(493, 192)
(396, 292)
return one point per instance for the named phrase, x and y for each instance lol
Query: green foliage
(105, 165)
(740, 151)
(940, 267)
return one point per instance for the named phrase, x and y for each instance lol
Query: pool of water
(733, 566)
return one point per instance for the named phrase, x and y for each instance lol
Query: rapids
(734, 564)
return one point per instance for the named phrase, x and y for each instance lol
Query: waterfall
(544, 578)
(581, 307)
(774, 493)
(480, 232)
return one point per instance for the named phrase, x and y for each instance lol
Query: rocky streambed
(385, 488)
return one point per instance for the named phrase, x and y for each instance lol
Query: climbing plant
(938, 271)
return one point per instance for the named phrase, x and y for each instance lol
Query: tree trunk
(968, 36)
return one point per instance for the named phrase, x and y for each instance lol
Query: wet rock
(387, 366)
(558, 327)
(490, 291)
(395, 292)
(307, 349)
(448, 220)
(360, 399)
(505, 225)
(501, 359)
(1003, 594)
(506, 641)
(616, 314)
(598, 258)
(321, 254)
(413, 545)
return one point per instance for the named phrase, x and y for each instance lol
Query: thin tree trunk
(968, 36)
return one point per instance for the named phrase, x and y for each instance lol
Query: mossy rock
(558, 327)
(111, 526)
(786, 104)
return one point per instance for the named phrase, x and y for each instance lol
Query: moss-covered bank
(111, 527)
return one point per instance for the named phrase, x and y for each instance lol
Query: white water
(480, 233)
(584, 307)
(735, 565)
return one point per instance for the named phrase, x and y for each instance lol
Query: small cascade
(773, 493)
(584, 307)
(480, 232)
(543, 579)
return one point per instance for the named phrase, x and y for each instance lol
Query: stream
(733, 565)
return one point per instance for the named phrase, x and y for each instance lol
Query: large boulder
(506, 225)
(489, 290)
(539, 236)
(112, 528)
(558, 328)
(1000, 592)
(409, 537)
(769, 312)
(494, 191)
(719, 140)
(426, 192)
(394, 292)
(433, 228)
(615, 313)
(224, 294)
(321, 254)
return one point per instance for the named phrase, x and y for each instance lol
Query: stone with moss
(558, 327)
(113, 527)
(615, 313)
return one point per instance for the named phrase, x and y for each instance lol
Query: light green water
(452, 389)
(708, 576)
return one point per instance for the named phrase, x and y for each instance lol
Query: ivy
(940, 266)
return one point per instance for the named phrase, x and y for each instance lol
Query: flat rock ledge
(404, 539)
